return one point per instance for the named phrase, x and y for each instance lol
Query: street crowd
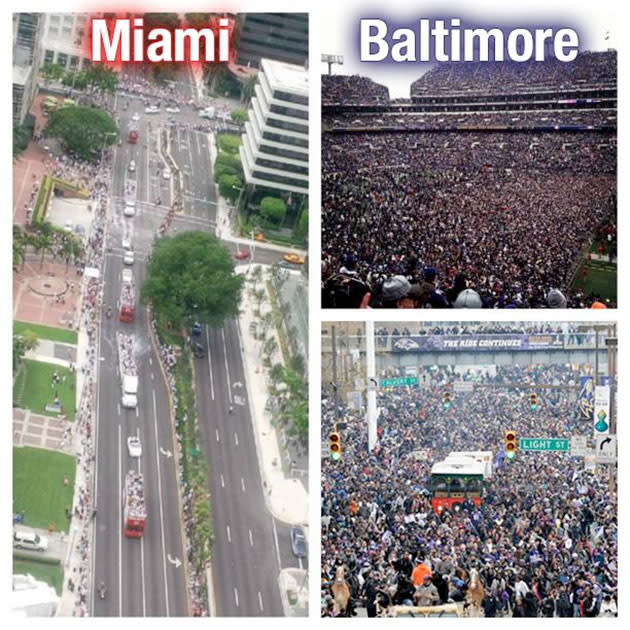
(543, 540)
(495, 214)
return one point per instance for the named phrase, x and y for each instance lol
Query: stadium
(469, 469)
(493, 185)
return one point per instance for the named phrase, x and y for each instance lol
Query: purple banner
(444, 343)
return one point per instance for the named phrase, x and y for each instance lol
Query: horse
(475, 593)
(341, 592)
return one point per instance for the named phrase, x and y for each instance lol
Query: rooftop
(286, 76)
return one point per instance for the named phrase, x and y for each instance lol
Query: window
(74, 62)
(62, 59)
(49, 56)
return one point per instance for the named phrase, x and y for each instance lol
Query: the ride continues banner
(447, 343)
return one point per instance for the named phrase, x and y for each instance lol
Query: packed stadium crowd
(543, 540)
(413, 215)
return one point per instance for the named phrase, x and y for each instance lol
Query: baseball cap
(395, 288)
(468, 298)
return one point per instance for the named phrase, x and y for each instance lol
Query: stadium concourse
(543, 538)
(493, 185)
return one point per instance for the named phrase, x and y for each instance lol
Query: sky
(594, 21)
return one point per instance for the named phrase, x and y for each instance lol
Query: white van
(130, 208)
(23, 539)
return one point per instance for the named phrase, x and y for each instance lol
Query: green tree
(273, 209)
(192, 274)
(83, 130)
(52, 71)
(301, 229)
(102, 78)
(20, 138)
(76, 80)
(229, 143)
(249, 86)
(228, 185)
(21, 345)
(239, 116)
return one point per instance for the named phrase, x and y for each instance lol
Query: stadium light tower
(330, 59)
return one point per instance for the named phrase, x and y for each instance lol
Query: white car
(132, 166)
(127, 275)
(173, 110)
(126, 242)
(67, 226)
(128, 257)
(166, 173)
(130, 208)
(136, 116)
(134, 446)
(152, 109)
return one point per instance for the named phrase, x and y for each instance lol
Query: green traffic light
(533, 407)
(510, 454)
(335, 457)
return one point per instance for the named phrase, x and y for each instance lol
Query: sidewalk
(286, 498)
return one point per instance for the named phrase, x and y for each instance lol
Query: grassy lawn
(38, 488)
(52, 574)
(33, 388)
(62, 335)
(600, 280)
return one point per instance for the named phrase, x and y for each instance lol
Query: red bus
(452, 482)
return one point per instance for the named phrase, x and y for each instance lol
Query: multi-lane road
(145, 577)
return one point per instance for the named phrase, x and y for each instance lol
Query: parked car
(198, 350)
(241, 254)
(195, 331)
(127, 275)
(294, 259)
(132, 166)
(130, 208)
(128, 257)
(298, 541)
(152, 109)
(173, 110)
(135, 116)
(166, 173)
(67, 226)
(23, 539)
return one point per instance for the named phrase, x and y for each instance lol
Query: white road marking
(137, 412)
(251, 539)
(152, 377)
(236, 596)
(144, 593)
(118, 407)
(275, 541)
(229, 534)
(120, 520)
(217, 432)
(300, 563)
(243, 484)
(236, 439)
(260, 602)
(222, 482)
(210, 366)
(227, 367)
(159, 476)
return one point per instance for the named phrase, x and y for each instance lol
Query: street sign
(543, 444)
(578, 446)
(606, 449)
(403, 381)
(463, 386)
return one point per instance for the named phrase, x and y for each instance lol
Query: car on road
(294, 259)
(134, 446)
(126, 242)
(197, 349)
(135, 116)
(130, 208)
(128, 257)
(285, 265)
(23, 539)
(67, 226)
(298, 541)
(127, 275)
(173, 110)
(152, 109)
(241, 254)
(132, 166)
(166, 173)
(196, 329)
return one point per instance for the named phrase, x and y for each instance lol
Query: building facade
(27, 30)
(63, 40)
(279, 36)
(274, 151)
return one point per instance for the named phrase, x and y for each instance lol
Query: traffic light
(533, 401)
(446, 399)
(510, 444)
(334, 441)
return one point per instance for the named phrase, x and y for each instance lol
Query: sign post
(606, 449)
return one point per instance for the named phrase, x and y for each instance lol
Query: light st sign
(543, 444)
(406, 381)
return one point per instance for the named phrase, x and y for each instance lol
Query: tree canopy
(273, 209)
(83, 130)
(192, 275)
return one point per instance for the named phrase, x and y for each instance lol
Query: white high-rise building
(27, 33)
(64, 40)
(274, 151)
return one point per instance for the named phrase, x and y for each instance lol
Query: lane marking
(120, 521)
(243, 484)
(210, 365)
(300, 563)
(227, 367)
(222, 482)
(236, 596)
(217, 432)
(236, 439)
(229, 534)
(260, 602)
(251, 539)
(275, 541)
(159, 476)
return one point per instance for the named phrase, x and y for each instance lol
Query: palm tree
(249, 87)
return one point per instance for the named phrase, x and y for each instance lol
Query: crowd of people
(415, 219)
(340, 89)
(543, 539)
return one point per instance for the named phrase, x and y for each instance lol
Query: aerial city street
(160, 340)
(469, 469)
